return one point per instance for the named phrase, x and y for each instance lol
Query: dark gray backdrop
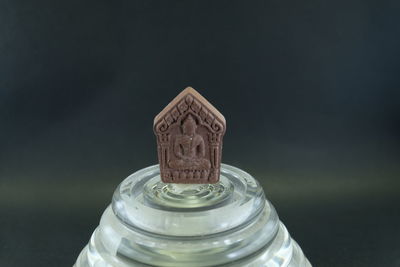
(310, 91)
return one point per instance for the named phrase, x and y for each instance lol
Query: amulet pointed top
(189, 153)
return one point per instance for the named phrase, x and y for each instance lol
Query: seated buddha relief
(189, 148)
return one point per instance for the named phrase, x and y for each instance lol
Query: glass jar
(230, 223)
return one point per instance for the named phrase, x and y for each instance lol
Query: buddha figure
(189, 148)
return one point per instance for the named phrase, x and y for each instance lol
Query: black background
(310, 91)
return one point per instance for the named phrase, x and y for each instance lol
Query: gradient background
(310, 91)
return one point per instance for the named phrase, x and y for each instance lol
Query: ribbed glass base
(230, 223)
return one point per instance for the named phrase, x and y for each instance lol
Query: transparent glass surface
(150, 223)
